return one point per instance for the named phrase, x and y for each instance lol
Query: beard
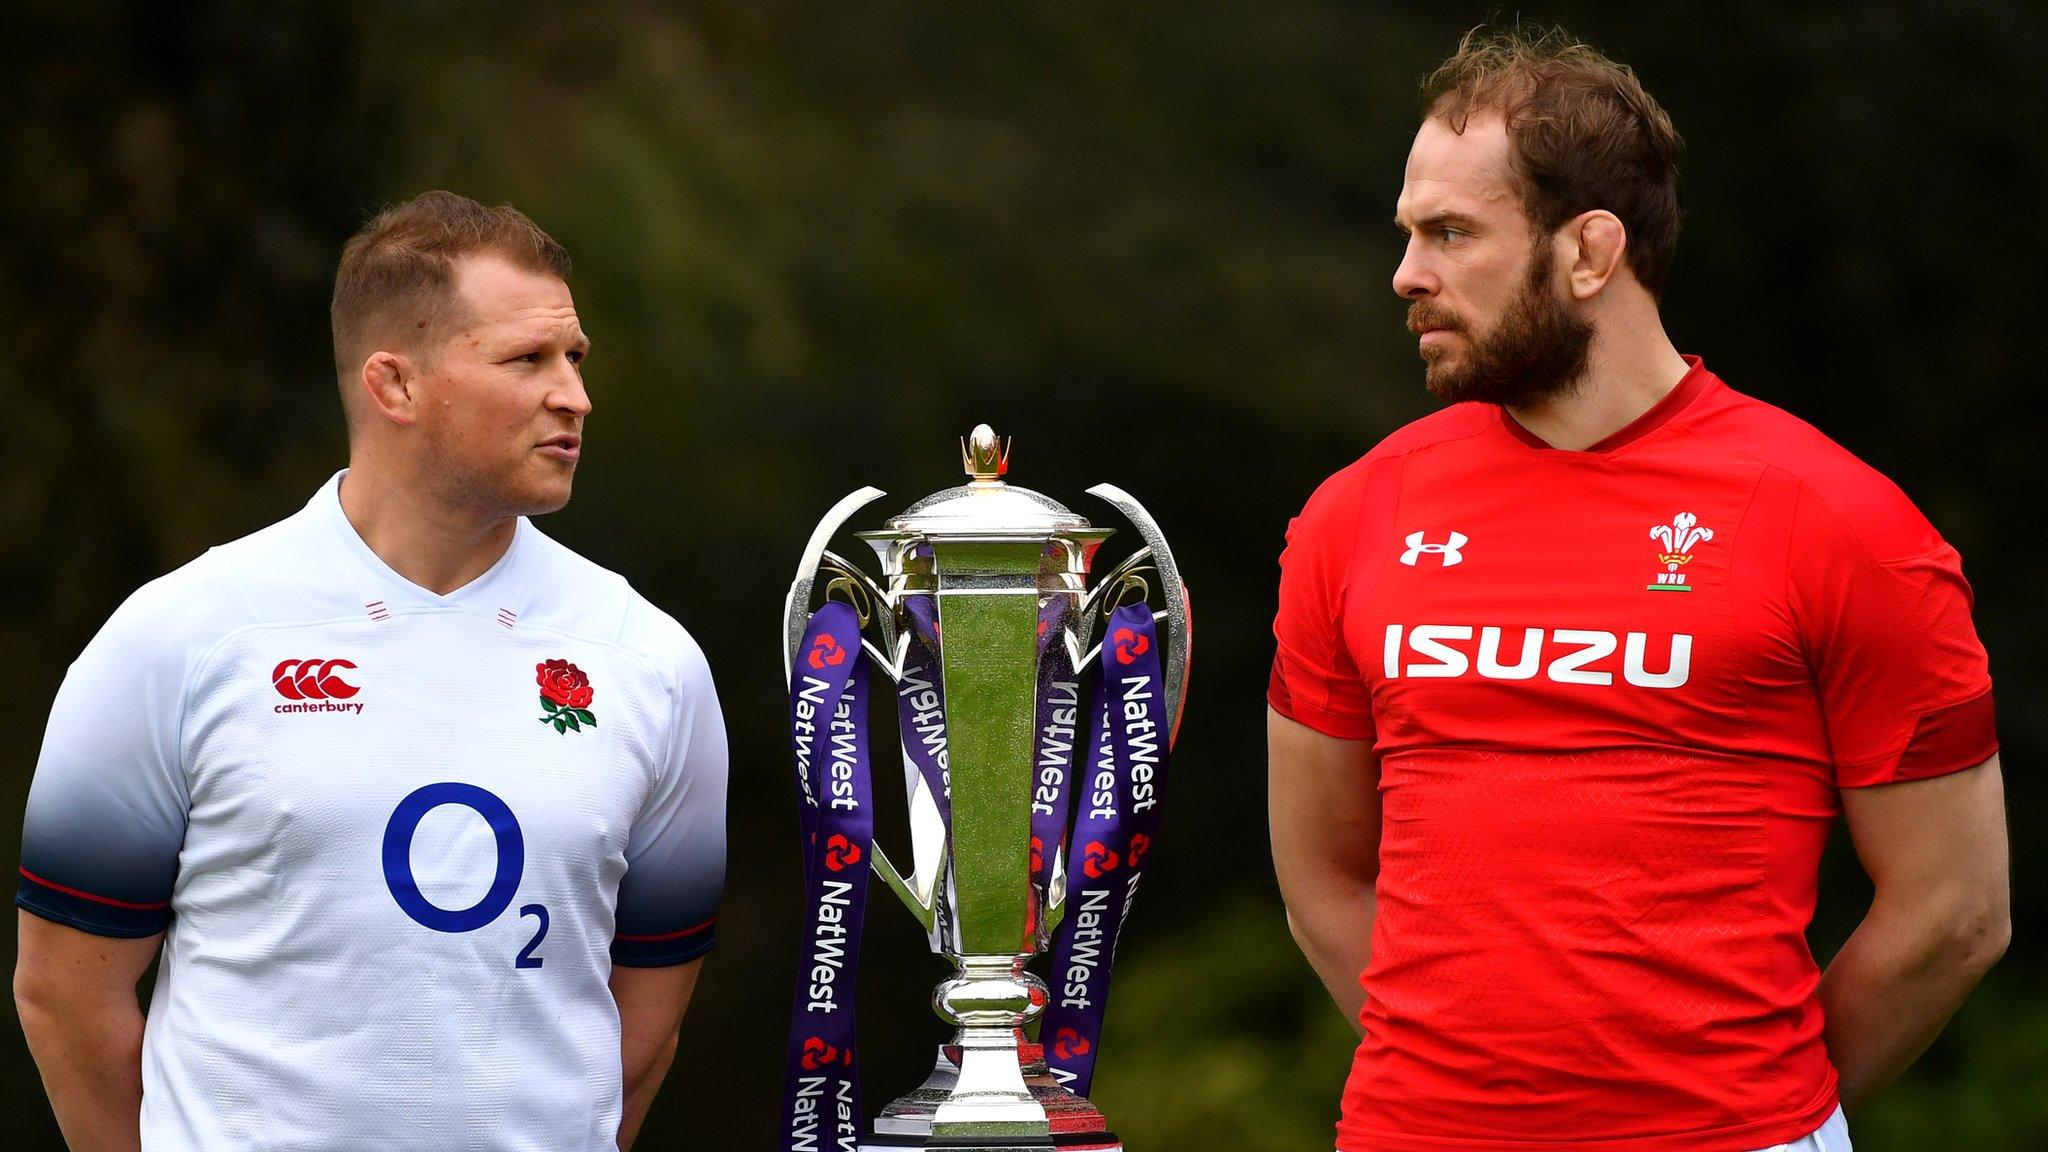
(1537, 351)
(498, 491)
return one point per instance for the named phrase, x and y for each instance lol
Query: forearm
(1892, 988)
(1334, 931)
(90, 1057)
(644, 1071)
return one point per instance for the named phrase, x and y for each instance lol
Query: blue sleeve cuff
(99, 915)
(665, 949)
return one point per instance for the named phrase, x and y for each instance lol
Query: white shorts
(1832, 1136)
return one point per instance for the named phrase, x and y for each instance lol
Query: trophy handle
(1180, 648)
(819, 559)
(926, 910)
(1180, 637)
(796, 607)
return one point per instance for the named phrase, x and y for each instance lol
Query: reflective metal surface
(992, 555)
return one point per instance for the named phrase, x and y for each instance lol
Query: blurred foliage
(814, 243)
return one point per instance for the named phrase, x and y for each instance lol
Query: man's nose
(568, 394)
(1413, 279)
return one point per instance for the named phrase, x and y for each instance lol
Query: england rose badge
(565, 695)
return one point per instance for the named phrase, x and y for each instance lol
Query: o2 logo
(398, 834)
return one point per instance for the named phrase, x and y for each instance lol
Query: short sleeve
(675, 855)
(1904, 684)
(106, 812)
(1314, 681)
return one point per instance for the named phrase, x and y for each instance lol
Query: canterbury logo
(1560, 655)
(312, 680)
(1130, 645)
(827, 651)
(1448, 552)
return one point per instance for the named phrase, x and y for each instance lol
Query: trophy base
(1075, 1124)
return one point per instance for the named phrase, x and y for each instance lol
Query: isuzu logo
(1560, 655)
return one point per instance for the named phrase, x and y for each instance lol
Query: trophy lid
(986, 506)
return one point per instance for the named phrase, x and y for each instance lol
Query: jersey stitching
(1893, 774)
(1742, 697)
(1822, 497)
(1364, 502)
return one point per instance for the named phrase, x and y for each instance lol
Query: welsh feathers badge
(565, 695)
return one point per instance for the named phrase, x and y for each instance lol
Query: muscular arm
(76, 995)
(1323, 805)
(651, 1005)
(1936, 852)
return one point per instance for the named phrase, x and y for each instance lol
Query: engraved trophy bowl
(1000, 574)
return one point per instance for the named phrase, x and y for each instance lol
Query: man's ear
(390, 387)
(1596, 243)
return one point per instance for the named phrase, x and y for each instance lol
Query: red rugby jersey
(1613, 694)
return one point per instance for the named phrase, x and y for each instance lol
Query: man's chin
(551, 502)
(1441, 375)
(535, 499)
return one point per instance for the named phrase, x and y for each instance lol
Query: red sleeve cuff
(1342, 726)
(1945, 740)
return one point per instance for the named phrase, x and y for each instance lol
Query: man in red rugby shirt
(1574, 675)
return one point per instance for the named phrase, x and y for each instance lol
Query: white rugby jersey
(396, 868)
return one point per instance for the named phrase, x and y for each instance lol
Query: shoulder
(192, 608)
(1337, 499)
(1840, 496)
(569, 592)
(662, 641)
(287, 573)
(585, 598)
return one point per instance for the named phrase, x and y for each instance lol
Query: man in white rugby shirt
(423, 812)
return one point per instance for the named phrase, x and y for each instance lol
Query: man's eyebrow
(1441, 220)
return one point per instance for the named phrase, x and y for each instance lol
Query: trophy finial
(983, 455)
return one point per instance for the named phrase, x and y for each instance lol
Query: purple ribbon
(1059, 718)
(1128, 740)
(828, 724)
(921, 703)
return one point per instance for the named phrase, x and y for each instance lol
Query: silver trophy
(996, 560)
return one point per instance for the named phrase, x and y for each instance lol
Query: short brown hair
(397, 275)
(1582, 134)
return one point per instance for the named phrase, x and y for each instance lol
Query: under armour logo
(1448, 551)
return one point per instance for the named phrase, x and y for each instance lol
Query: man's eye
(1450, 234)
(575, 357)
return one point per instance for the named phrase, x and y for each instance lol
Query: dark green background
(815, 243)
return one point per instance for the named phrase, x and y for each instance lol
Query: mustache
(1425, 314)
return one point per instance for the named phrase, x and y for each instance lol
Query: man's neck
(1624, 379)
(435, 547)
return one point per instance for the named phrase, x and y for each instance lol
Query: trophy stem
(990, 999)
